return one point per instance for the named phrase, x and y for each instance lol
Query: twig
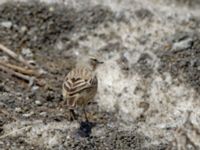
(189, 141)
(17, 74)
(20, 69)
(15, 56)
(22, 76)
(10, 133)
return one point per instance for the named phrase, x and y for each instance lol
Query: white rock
(28, 114)
(27, 52)
(44, 114)
(34, 88)
(178, 46)
(23, 28)
(37, 102)
(18, 109)
(6, 24)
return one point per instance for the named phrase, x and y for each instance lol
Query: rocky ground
(148, 96)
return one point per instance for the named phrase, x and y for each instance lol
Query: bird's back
(80, 86)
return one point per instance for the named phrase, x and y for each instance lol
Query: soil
(34, 117)
(35, 26)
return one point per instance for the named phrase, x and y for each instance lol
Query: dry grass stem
(27, 78)
(15, 56)
(15, 131)
(20, 69)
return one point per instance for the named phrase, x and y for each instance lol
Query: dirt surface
(139, 48)
(183, 57)
(36, 27)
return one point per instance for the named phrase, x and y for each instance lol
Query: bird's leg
(73, 116)
(72, 104)
(86, 118)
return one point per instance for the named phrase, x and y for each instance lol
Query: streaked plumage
(80, 86)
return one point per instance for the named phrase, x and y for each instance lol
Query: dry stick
(20, 59)
(12, 132)
(19, 69)
(28, 127)
(17, 130)
(15, 56)
(189, 141)
(17, 74)
(22, 76)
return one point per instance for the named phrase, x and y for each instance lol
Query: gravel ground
(149, 85)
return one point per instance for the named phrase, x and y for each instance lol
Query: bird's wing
(78, 80)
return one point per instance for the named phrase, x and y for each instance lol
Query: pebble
(18, 109)
(44, 114)
(51, 9)
(6, 24)
(28, 114)
(34, 88)
(1, 143)
(27, 52)
(37, 102)
(184, 44)
(23, 28)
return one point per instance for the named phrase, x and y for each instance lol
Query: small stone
(25, 108)
(39, 134)
(182, 45)
(23, 28)
(6, 24)
(18, 109)
(51, 9)
(28, 114)
(34, 88)
(59, 45)
(2, 122)
(27, 52)
(68, 137)
(44, 114)
(38, 103)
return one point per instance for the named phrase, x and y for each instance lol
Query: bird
(80, 86)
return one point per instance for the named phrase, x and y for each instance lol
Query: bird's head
(94, 62)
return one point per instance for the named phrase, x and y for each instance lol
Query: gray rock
(27, 52)
(18, 109)
(28, 114)
(37, 102)
(6, 24)
(44, 114)
(182, 45)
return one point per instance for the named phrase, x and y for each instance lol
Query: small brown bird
(80, 86)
